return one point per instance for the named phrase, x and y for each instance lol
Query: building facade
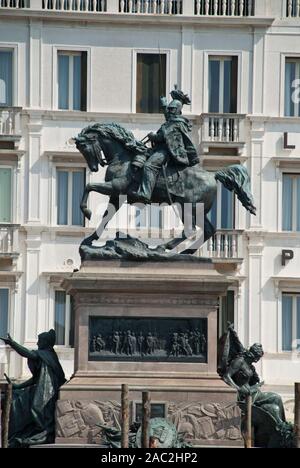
(67, 63)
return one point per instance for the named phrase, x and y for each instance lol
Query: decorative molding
(145, 299)
(133, 19)
(200, 421)
(286, 284)
(197, 421)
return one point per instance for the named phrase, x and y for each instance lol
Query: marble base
(190, 394)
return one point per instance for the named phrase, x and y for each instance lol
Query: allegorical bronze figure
(32, 416)
(236, 367)
(166, 173)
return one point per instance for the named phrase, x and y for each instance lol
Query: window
(151, 82)
(292, 83)
(291, 202)
(223, 78)
(6, 78)
(290, 322)
(4, 306)
(222, 214)
(5, 195)
(70, 188)
(72, 80)
(64, 319)
(151, 216)
(226, 312)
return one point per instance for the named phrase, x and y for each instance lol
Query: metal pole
(249, 423)
(125, 416)
(297, 414)
(6, 414)
(146, 419)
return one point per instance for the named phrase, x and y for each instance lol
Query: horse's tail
(236, 178)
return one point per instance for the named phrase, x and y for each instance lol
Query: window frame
(296, 348)
(14, 48)
(296, 105)
(70, 170)
(295, 221)
(68, 314)
(135, 53)
(68, 50)
(242, 87)
(9, 306)
(12, 192)
(222, 60)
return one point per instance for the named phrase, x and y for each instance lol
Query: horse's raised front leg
(113, 207)
(103, 188)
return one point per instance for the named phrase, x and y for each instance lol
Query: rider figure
(171, 143)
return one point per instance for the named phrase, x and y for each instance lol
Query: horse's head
(101, 143)
(88, 143)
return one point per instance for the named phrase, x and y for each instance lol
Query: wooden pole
(249, 422)
(6, 414)
(297, 414)
(146, 419)
(125, 416)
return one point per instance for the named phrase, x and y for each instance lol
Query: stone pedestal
(169, 305)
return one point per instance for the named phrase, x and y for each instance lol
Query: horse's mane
(118, 133)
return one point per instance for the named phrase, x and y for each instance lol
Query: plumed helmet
(177, 105)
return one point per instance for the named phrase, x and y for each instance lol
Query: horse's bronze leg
(103, 188)
(114, 205)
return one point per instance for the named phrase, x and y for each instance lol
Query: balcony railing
(10, 121)
(225, 7)
(223, 128)
(293, 8)
(96, 6)
(158, 7)
(9, 242)
(14, 4)
(225, 244)
(229, 8)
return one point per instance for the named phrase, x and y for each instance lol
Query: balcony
(10, 124)
(293, 8)
(224, 247)
(223, 131)
(9, 242)
(234, 12)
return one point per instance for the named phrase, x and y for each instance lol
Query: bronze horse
(113, 146)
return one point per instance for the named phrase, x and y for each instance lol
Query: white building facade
(67, 63)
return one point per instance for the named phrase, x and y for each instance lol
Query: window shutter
(5, 195)
(4, 296)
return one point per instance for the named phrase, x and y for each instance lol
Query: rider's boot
(145, 191)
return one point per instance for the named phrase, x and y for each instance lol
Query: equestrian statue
(168, 172)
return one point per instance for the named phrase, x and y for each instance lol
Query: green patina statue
(32, 416)
(166, 173)
(235, 366)
(162, 435)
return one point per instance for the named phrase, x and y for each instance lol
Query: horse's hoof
(88, 214)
